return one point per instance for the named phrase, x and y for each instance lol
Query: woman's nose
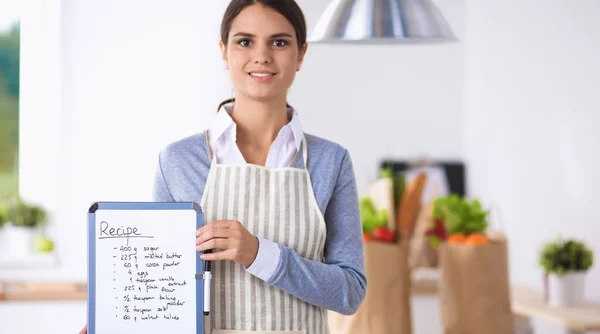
(262, 55)
(262, 60)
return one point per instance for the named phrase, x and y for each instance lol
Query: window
(9, 98)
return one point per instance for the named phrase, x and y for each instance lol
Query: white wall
(398, 101)
(532, 113)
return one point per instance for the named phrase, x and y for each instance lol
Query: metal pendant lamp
(381, 22)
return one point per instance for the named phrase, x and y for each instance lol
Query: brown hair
(287, 8)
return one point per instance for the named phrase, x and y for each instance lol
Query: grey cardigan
(339, 284)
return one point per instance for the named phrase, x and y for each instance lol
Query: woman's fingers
(237, 243)
(228, 254)
(217, 232)
(212, 244)
(215, 224)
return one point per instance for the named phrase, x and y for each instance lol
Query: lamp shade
(381, 21)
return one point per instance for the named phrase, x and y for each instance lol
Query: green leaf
(399, 187)
(562, 256)
(370, 216)
(434, 241)
(24, 214)
(386, 173)
(3, 214)
(460, 215)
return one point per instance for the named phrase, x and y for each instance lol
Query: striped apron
(277, 204)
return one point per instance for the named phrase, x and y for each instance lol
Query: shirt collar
(223, 122)
(296, 126)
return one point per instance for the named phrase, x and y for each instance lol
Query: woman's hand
(84, 330)
(232, 237)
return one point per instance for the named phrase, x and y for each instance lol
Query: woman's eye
(244, 42)
(280, 42)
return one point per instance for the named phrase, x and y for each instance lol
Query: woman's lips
(261, 76)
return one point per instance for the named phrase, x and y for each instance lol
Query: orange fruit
(366, 237)
(477, 239)
(457, 238)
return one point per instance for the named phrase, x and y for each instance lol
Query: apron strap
(210, 152)
(305, 152)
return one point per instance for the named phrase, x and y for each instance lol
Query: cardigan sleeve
(161, 192)
(338, 284)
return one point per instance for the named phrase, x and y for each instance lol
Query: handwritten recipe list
(145, 272)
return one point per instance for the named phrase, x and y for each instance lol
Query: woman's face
(262, 53)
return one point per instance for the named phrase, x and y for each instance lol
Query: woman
(282, 205)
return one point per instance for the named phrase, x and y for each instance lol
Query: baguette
(409, 206)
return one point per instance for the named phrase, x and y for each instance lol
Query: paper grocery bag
(422, 254)
(386, 308)
(474, 289)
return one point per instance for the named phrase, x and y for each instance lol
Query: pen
(207, 277)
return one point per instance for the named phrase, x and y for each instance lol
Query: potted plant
(23, 219)
(565, 264)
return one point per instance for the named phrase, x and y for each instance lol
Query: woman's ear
(301, 55)
(223, 48)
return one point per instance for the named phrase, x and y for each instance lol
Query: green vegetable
(386, 173)
(460, 215)
(562, 256)
(398, 181)
(434, 241)
(399, 187)
(370, 216)
(3, 214)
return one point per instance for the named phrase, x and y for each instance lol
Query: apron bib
(277, 204)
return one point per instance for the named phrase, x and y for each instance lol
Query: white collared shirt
(223, 143)
(223, 138)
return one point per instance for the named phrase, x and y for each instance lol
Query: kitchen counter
(42, 291)
(529, 303)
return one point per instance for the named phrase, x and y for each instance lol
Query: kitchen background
(515, 99)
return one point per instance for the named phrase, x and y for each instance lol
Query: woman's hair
(287, 8)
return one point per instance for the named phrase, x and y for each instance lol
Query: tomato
(384, 234)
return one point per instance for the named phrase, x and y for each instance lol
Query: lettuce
(370, 216)
(460, 215)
